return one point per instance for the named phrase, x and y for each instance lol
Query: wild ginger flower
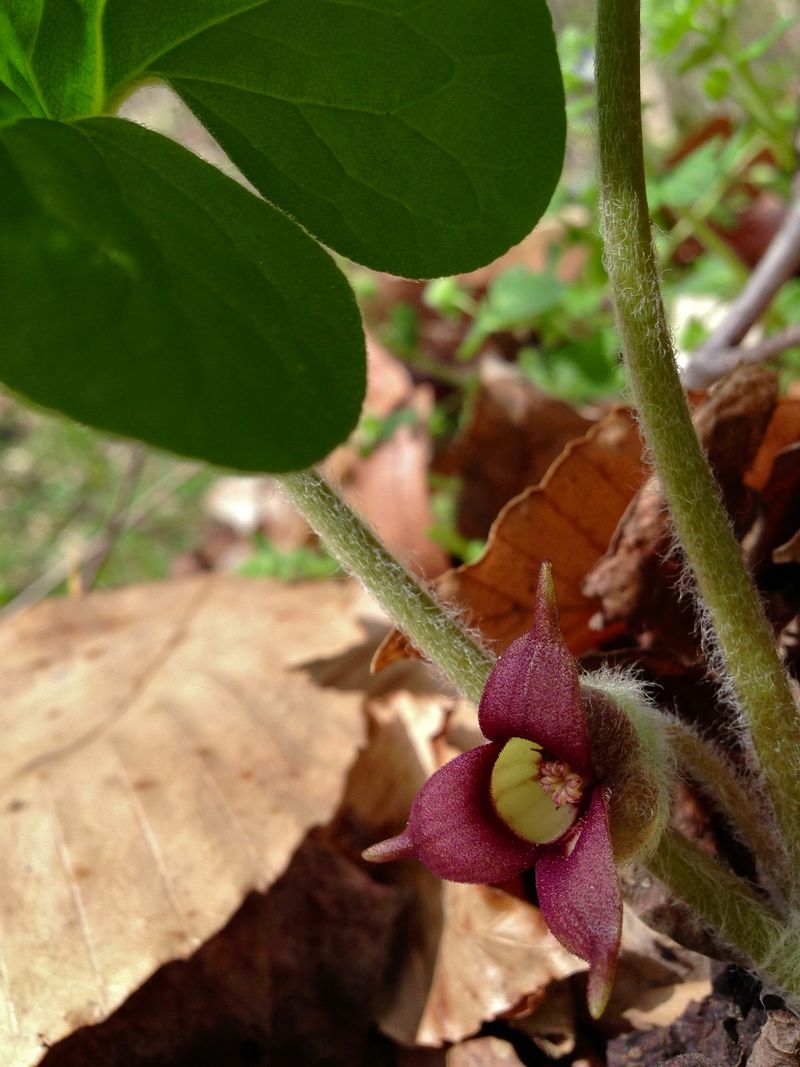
(540, 794)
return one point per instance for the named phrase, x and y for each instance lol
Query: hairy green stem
(732, 910)
(745, 643)
(434, 631)
(738, 800)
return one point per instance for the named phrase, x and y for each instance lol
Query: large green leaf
(11, 107)
(18, 22)
(145, 293)
(60, 46)
(418, 137)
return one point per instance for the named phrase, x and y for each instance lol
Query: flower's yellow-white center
(536, 798)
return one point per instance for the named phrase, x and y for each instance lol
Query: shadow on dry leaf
(515, 431)
(720, 1030)
(290, 980)
(162, 759)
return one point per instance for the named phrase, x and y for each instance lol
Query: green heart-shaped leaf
(420, 138)
(145, 293)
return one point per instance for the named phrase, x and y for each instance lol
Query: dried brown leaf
(164, 754)
(552, 1024)
(656, 979)
(783, 430)
(663, 1005)
(569, 520)
(635, 580)
(389, 382)
(483, 1052)
(722, 1026)
(732, 423)
(789, 551)
(774, 538)
(294, 973)
(389, 488)
(780, 505)
(494, 950)
(515, 431)
(778, 1044)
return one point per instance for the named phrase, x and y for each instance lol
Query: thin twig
(149, 500)
(714, 365)
(779, 263)
(117, 518)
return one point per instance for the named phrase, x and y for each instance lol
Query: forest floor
(206, 722)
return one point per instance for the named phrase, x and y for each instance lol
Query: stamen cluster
(561, 782)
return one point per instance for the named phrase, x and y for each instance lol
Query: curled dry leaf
(471, 953)
(389, 382)
(635, 580)
(775, 538)
(552, 1023)
(514, 433)
(783, 430)
(389, 487)
(661, 1006)
(494, 950)
(778, 1044)
(568, 519)
(780, 507)
(731, 424)
(483, 1052)
(165, 753)
(656, 979)
(722, 1026)
(789, 552)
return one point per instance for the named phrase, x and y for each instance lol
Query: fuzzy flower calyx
(538, 794)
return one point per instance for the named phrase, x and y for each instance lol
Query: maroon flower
(530, 797)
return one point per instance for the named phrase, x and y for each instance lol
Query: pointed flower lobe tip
(598, 992)
(393, 848)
